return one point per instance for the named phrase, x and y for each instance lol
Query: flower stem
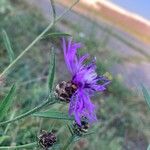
(53, 10)
(26, 50)
(8, 125)
(70, 140)
(19, 146)
(6, 71)
(60, 17)
(29, 112)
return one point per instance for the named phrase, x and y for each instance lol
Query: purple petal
(84, 76)
(77, 118)
(81, 105)
(70, 50)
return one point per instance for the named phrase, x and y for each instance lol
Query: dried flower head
(80, 129)
(65, 90)
(86, 81)
(47, 139)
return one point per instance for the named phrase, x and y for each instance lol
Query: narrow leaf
(70, 129)
(77, 138)
(6, 102)
(148, 147)
(68, 143)
(56, 34)
(8, 46)
(53, 114)
(146, 95)
(3, 138)
(51, 71)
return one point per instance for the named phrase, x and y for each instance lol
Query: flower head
(85, 78)
(47, 139)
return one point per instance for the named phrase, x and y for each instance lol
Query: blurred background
(117, 32)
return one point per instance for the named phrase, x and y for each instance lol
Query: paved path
(135, 68)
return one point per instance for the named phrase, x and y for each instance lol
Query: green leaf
(3, 138)
(77, 138)
(56, 34)
(68, 143)
(8, 46)
(53, 114)
(51, 70)
(146, 95)
(6, 102)
(70, 129)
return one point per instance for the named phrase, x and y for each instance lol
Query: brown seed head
(47, 139)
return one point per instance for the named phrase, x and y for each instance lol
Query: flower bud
(47, 139)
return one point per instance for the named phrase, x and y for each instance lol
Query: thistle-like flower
(84, 80)
(47, 139)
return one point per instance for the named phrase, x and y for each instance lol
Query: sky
(141, 7)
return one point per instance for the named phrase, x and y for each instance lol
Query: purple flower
(85, 78)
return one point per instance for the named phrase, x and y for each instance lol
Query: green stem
(29, 112)
(59, 18)
(26, 50)
(8, 125)
(5, 72)
(53, 9)
(19, 146)
(70, 140)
